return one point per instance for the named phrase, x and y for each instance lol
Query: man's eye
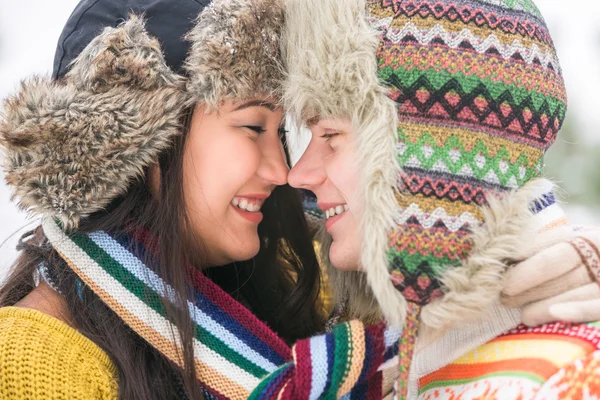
(328, 136)
(257, 129)
(283, 137)
(282, 132)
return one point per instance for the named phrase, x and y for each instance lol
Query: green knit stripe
(153, 300)
(478, 160)
(405, 261)
(437, 80)
(257, 393)
(342, 355)
(518, 5)
(515, 374)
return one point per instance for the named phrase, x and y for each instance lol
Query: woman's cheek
(247, 156)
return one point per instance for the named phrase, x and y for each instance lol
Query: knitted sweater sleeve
(330, 366)
(43, 358)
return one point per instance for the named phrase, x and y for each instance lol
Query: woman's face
(233, 160)
(328, 169)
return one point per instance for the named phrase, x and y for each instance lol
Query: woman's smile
(249, 206)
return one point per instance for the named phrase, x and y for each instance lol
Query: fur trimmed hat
(453, 105)
(73, 144)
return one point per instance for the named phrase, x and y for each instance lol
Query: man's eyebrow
(312, 121)
(257, 103)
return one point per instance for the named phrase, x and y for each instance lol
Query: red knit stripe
(303, 362)
(375, 387)
(221, 299)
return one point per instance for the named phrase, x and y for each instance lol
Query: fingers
(541, 267)
(543, 240)
(577, 311)
(540, 312)
(571, 280)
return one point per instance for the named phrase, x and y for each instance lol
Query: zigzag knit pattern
(480, 99)
(479, 13)
(236, 354)
(481, 45)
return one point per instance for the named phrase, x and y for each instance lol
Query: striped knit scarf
(236, 355)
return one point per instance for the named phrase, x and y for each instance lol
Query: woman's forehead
(258, 101)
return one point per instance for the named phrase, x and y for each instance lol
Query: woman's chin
(246, 249)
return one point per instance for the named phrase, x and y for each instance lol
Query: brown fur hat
(242, 57)
(73, 145)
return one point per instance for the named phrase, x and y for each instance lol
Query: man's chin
(343, 258)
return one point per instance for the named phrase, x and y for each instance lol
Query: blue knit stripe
(211, 310)
(135, 266)
(330, 343)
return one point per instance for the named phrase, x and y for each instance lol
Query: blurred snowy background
(29, 30)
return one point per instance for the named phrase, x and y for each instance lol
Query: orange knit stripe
(539, 367)
(357, 359)
(214, 379)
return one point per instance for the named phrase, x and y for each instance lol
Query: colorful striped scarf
(236, 355)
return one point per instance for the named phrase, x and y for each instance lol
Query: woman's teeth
(251, 205)
(333, 211)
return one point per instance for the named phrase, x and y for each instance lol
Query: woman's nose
(274, 168)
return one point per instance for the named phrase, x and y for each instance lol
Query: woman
(163, 162)
(465, 98)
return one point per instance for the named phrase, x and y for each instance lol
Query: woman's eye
(257, 129)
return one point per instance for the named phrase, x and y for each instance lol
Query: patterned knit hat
(481, 98)
(454, 102)
(73, 144)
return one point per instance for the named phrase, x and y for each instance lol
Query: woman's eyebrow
(257, 103)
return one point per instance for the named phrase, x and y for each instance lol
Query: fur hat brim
(72, 146)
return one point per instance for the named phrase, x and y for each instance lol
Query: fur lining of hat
(71, 146)
(235, 52)
(329, 51)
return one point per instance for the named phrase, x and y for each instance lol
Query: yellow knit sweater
(44, 358)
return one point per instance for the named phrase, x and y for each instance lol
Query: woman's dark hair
(280, 285)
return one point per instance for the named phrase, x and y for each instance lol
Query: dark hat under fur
(72, 145)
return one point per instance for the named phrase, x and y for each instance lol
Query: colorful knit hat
(73, 144)
(481, 98)
(453, 102)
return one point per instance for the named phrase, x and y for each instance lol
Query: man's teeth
(333, 211)
(244, 204)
